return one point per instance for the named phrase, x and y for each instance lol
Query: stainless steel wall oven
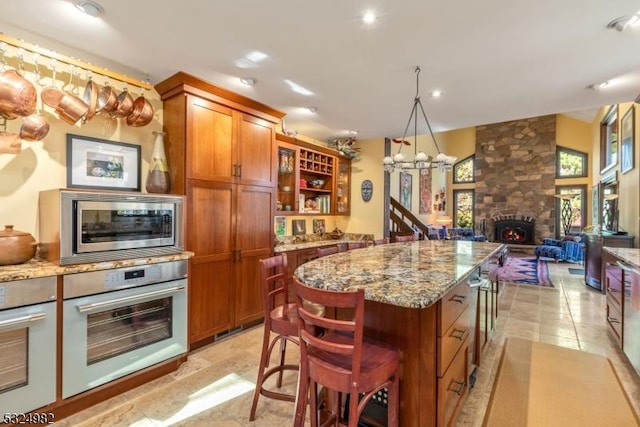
(27, 344)
(119, 321)
(87, 226)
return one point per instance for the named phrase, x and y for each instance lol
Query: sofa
(570, 249)
(465, 233)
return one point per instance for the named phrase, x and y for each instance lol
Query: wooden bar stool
(407, 238)
(280, 318)
(356, 245)
(329, 250)
(342, 360)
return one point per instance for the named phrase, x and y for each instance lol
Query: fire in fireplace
(512, 230)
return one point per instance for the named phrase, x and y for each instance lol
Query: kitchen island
(417, 299)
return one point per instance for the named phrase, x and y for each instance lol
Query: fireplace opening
(515, 231)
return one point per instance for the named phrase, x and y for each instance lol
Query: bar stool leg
(263, 363)
(283, 351)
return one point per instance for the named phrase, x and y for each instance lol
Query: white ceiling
(495, 60)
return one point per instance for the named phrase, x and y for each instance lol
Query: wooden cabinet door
(254, 232)
(210, 221)
(210, 139)
(256, 148)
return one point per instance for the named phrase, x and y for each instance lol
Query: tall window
(463, 201)
(464, 170)
(575, 216)
(609, 139)
(570, 163)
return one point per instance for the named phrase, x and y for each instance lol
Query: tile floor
(215, 386)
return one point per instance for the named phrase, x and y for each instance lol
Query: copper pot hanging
(142, 112)
(107, 100)
(17, 95)
(125, 104)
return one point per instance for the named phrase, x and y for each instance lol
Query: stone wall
(515, 172)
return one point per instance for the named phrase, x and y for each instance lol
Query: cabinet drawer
(614, 319)
(453, 388)
(452, 305)
(450, 343)
(613, 284)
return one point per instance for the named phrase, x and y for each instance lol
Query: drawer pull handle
(613, 290)
(627, 268)
(612, 319)
(460, 386)
(458, 298)
(459, 334)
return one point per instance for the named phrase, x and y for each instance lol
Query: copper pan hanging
(142, 112)
(17, 94)
(125, 104)
(90, 97)
(107, 99)
(35, 127)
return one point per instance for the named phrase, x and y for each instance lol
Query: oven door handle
(98, 305)
(22, 319)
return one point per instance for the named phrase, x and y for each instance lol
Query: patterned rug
(525, 270)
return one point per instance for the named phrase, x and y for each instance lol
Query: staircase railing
(403, 222)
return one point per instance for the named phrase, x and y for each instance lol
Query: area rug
(525, 270)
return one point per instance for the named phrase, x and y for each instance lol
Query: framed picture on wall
(299, 227)
(405, 190)
(627, 138)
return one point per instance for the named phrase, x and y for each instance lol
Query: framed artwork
(319, 226)
(103, 164)
(424, 184)
(405, 190)
(627, 131)
(595, 205)
(299, 227)
(280, 225)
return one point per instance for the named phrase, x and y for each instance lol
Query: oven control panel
(114, 279)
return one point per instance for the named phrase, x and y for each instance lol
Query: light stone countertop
(628, 255)
(286, 247)
(413, 274)
(38, 268)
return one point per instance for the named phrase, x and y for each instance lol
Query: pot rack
(74, 62)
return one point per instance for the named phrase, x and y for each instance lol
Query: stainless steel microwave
(78, 226)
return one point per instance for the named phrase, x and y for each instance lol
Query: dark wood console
(593, 255)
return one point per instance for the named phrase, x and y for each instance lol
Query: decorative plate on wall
(366, 189)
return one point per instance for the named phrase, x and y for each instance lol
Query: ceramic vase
(158, 175)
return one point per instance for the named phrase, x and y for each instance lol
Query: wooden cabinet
(593, 255)
(456, 326)
(311, 179)
(622, 288)
(221, 152)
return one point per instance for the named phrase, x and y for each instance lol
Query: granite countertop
(629, 255)
(39, 268)
(286, 247)
(413, 274)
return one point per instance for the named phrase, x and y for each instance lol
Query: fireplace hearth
(515, 230)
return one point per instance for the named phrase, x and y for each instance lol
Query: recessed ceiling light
(89, 7)
(297, 88)
(623, 22)
(598, 86)
(353, 132)
(436, 93)
(249, 81)
(369, 17)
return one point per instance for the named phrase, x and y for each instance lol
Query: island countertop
(628, 255)
(412, 274)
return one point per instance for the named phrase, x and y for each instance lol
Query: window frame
(608, 128)
(582, 189)
(571, 151)
(455, 206)
(471, 158)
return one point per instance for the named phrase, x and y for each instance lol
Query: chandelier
(421, 161)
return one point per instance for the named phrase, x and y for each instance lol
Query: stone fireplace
(515, 177)
(514, 229)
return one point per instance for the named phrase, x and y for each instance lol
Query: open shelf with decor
(319, 183)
